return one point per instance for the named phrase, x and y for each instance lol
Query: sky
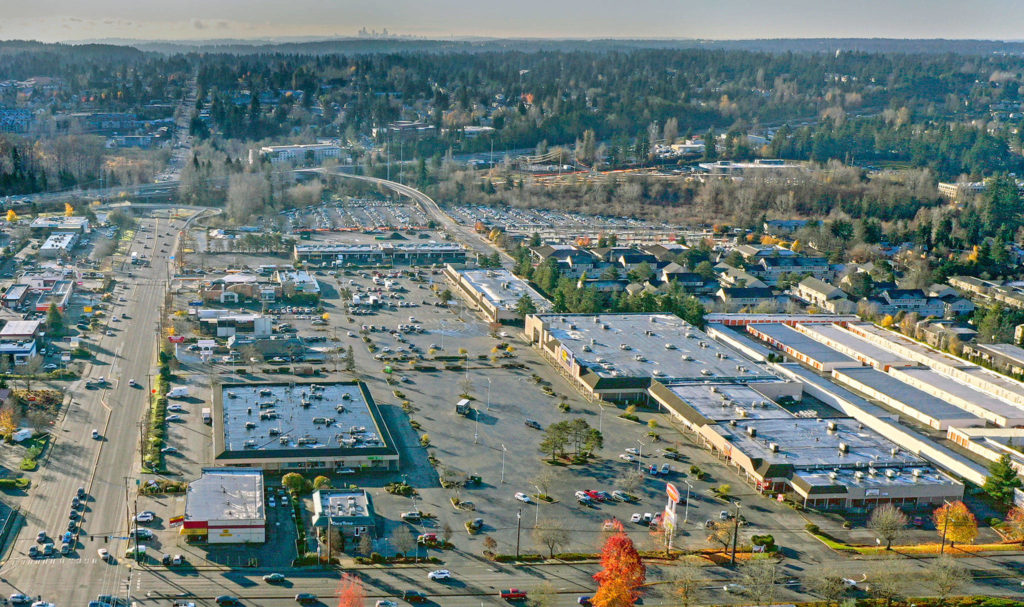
(69, 20)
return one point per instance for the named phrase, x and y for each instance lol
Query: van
(412, 516)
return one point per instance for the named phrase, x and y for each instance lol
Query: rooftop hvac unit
(572, 327)
(894, 451)
(773, 447)
(705, 373)
(657, 373)
(648, 332)
(714, 389)
(597, 320)
(831, 426)
(844, 448)
(670, 346)
(605, 327)
(593, 341)
(872, 471)
(890, 473)
(741, 412)
(586, 348)
(917, 472)
(687, 357)
(858, 475)
(833, 475)
(732, 423)
(752, 431)
(625, 347)
(653, 319)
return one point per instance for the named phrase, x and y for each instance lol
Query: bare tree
(686, 584)
(551, 534)
(630, 480)
(947, 577)
(403, 540)
(544, 595)
(887, 581)
(888, 522)
(829, 585)
(544, 480)
(758, 577)
(39, 420)
(365, 545)
(251, 355)
(446, 532)
(721, 535)
(30, 370)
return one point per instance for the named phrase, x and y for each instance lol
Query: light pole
(503, 451)
(519, 519)
(686, 504)
(945, 525)
(488, 393)
(536, 518)
(735, 533)
(639, 456)
(476, 429)
(600, 423)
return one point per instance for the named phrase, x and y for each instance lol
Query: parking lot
(357, 214)
(539, 220)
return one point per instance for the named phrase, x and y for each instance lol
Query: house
(735, 277)
(824, 296)
(785, 227)
(666, 251)
(938, 333)
(738, 297)
(771, 269)
(911, 300)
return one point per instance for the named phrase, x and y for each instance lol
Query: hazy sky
(54, 20)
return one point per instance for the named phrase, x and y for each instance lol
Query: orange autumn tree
(350, 592)
(957, 522)
(622, 572)
(1014, 526)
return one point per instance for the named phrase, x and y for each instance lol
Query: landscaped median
(156, 430)
(911, 549)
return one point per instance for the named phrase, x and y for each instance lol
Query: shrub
(425, 440)
(811, 527)
(376, 558)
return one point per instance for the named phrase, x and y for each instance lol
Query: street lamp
(503, 452)
(476, 428)
(686, 504)
(639, 456)
(488, 393)
(536, 518)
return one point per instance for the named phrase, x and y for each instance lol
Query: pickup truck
(513, 594)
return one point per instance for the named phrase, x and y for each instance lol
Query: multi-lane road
(102, 467)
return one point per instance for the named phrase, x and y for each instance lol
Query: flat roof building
(60, 224)
(908, 400)
(844, 342)
(225, 506)
(19, 330)
(297, 426)
(57, 244)
(615, 356)
(801, 347)
(495, 293)
(349, 511)
(58, 295)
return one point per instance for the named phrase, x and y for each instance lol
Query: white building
(225, 506)
(312, 152)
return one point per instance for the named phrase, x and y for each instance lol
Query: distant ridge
(477, 45)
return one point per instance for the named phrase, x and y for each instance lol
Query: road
(103, 466)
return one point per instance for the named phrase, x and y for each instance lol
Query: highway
(103, 466)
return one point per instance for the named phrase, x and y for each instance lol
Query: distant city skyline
(71, 20)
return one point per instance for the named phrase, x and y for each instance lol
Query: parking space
(357, 214)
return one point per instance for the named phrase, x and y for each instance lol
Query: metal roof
(226, 494)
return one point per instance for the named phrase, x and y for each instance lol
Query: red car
(513, 594)
(594, 495)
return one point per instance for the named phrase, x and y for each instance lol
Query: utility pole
(519, 519)
(735, 533)
(945, 525)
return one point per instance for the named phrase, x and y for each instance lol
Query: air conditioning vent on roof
(844, 448)
(773, 447)
(752, 431)
(833, 475)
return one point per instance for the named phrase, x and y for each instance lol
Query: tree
(490, 544)
(721, 535)
(622, 573)
(829, 584)
(445, 296)
(956, 522)
(544, 595)
(555, 439)
(1002, 479)
(404, 540)
(8, 420)
(321, 482)
(544, 481)
(947, 577)
(251, 355)
(12, 217)
(888, 579)
(551, 534)
(888, 522)
(30, 370)
(525, 305)
(1014, 524)
(631, 480)
(686, 583)
(759, 577)
(365, 545)
(350, 592)
(350, 360)
(293, 482)
(54, 319)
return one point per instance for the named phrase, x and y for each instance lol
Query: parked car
(305, 597)
(636, 518)
(427, 538)
(104, 554)
(626, 457)
(439, 575)
(523, 497)
(532, 423)
(226, 599)
(385, 603)
(145, 517)
(513, 594)
(414, 596)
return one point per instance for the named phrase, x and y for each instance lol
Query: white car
(636, 518)
(733, 588)
(523, 498)
(385, 603)
(626, 457)
(104, 554)
(145, 517)
(176, 408)
(173, 418)
(633, 450)
(131, 382)
(440, 574)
